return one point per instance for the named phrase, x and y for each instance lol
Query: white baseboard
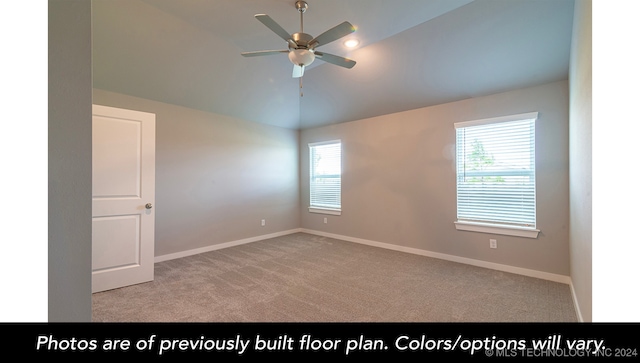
(469, 261)
(576, 306)
(219, 246)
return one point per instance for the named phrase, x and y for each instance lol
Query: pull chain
(301, 94)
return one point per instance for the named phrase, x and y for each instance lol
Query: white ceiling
(413, 53)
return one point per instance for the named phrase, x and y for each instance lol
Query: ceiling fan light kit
(301, 57)
(302, 46)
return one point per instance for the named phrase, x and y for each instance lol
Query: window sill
(334, 212)
(497, 229)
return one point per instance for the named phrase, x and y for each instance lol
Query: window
(325, 160)
(495, 167)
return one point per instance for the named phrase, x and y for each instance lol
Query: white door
(123, 197)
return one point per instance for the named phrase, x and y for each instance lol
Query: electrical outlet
(264, 222)
(325, 220)
(493, 243)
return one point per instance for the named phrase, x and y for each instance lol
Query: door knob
(148, 206)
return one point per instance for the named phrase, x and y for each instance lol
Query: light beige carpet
(308, 278)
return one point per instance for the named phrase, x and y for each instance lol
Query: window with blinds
(495, 167)
(325, 160)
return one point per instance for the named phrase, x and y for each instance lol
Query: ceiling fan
(302, 46)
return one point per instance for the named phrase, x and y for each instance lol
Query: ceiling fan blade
(334, 59)
(332, 34)
(298, 71)
(263, 52)
(275, 27)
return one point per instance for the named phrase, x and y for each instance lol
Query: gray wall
(399, 180)
(581, 158)
(217, 177)
(69, 147)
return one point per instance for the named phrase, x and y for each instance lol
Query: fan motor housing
(301, 39)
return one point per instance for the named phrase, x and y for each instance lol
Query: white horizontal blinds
(495, 162)
(326, 171)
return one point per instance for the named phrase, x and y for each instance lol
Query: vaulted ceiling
(412, 54)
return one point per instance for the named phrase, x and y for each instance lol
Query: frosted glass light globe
(301, 57)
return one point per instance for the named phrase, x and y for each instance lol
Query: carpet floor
(307, 278)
